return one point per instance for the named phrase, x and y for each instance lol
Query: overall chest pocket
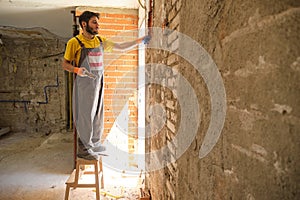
(95, 60)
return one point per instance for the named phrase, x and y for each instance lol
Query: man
(86, 50)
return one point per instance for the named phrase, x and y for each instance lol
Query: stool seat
(73, 180)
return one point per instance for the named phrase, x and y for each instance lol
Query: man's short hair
(86, 16)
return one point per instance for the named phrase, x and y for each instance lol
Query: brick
(170, 189)
(116, 62)
(127, 68)
(113, 74)
(174, 23)
(174, 46)
(110, 68)
(174, 2)
(114, 15)
(107, 32)
(171, 126)
(104, 20)
(130, 27)
(171, 147)
(170, 104)
(173, 173)
(130, 16)
(123, 56)
(172, 13)
(173, 35)
(172, 60)
(111, 27)
(128, 21)
(178, 5)
(171, 82)
(109, 79)
(130, 62)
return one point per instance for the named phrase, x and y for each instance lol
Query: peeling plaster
(296, 65)
(256, 26)
(251, 68)
(278, 164)
(282, 109)
(259, 150)
(249, 153)
(231, 173)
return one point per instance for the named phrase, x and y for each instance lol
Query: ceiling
(53, 15)
(17, 5)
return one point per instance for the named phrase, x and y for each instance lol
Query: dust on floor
(35, 167)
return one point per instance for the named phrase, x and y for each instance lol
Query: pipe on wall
(45, 91)
(26, 102)
(150, 16)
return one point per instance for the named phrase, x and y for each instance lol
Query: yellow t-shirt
(73, 48)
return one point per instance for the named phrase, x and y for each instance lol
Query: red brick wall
(120, 74)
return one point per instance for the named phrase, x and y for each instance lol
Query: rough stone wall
(255, 45)
(30, 66)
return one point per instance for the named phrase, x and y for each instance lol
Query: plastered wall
(255, 46)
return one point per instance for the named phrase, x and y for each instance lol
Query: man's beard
(89, 30)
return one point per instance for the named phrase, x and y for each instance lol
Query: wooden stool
(76, 174)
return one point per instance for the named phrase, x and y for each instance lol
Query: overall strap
(99, 39)
(80, 43)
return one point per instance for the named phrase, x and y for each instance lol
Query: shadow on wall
(58, 21)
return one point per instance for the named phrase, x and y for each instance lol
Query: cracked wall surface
(255, 45)
(32, 91)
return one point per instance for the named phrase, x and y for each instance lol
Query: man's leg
(83, 152)
(85, 107)
(98, 123)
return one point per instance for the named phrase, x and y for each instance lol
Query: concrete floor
(34, 167)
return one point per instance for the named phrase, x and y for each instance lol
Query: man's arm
(66, 65)
(128, 45)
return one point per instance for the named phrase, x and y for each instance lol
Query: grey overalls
(88, 97)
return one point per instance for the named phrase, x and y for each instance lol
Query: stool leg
(77, 173)
(97, 181)
(67, 192)
(101, 170)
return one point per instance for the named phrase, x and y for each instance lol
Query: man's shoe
(88, 155)
(102, 153)
(99, 148)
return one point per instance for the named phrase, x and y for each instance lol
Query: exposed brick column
(164, 182)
